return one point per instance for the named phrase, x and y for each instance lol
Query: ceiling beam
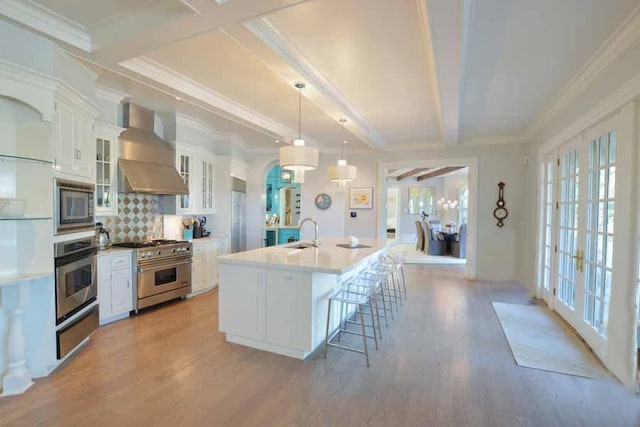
(410, 173)
(448, 23)
(439, 172)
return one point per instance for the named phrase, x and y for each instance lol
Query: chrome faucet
(315, 223)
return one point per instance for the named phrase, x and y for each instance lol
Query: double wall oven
(75, 288)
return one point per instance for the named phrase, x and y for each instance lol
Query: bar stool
(398, 262)
(386, 272)
(357, 296)
(368, 283)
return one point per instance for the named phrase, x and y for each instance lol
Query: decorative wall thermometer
(500, 213)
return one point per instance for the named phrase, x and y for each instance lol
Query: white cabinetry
(106, 140)
(207, 188)
(184, 164)
(196, 167)
(199, 269)
(241, 307)
(115, 285)
(205, 264)
(74, 147)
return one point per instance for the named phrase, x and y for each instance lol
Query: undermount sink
(301, 246)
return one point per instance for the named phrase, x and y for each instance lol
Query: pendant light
(342, 172)
(298, 157)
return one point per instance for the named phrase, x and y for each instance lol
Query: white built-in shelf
(4, 157)
(26, 218)
(14, 279)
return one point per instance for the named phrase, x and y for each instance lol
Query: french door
(585, 181)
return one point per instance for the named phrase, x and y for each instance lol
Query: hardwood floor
(443, 362)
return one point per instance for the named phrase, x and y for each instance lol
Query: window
(547, 191)
(463, 205)
(422, 198)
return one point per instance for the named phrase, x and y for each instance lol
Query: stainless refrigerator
(238, 215)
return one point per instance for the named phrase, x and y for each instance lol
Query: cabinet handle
(79, 154)
(288, 277)
(127, 284)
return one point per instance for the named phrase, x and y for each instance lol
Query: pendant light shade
(298, 157)
(342, 172)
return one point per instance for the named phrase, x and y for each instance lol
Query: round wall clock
(500, 213)
(323, 201)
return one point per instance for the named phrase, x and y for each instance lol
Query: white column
(17, 379)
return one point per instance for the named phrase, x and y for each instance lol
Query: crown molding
(203, 127)
(625, 94)
(621, 39)
(196, 124)
(263, 30)
(40, 90)
(109, 94)
(107, 128)
(47, 21)
(168, 77)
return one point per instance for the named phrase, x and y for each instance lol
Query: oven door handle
(159, 266)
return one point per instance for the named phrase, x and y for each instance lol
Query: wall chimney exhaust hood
(147, 163)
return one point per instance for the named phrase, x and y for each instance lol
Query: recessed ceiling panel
(373, 53)
(522, 53)
(89, 13)
(219, 63)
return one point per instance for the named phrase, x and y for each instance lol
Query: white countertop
(114, 250)
(281, 227)
(208, 239)
(327, 258)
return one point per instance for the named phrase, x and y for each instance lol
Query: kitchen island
(275, 298)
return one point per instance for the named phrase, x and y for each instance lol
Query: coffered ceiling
(406, 74)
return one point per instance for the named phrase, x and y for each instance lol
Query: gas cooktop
(149, 243)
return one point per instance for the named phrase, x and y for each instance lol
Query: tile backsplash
(139, 218)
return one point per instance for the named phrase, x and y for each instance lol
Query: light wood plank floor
(443, 362)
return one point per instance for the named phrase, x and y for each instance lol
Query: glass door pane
(568, 227)
(600, 230)
(548, 229)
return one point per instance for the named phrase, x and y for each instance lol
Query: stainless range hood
(147, 163)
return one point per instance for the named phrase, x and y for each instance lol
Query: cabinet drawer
(199, 250)
(120, 261)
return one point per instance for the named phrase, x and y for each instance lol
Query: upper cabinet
(208, 188)
(184, 164)
(105, 137)
(196, 167)
(74, 146)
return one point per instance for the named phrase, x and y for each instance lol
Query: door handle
(579, 257)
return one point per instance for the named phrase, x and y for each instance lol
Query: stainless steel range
(163, 270)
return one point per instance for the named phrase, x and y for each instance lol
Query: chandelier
(447, 204)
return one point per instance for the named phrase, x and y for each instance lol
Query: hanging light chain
(344, 141)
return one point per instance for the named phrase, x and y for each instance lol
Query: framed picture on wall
(361, 198)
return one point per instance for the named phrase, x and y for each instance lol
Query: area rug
(416, 257)
(540, 340)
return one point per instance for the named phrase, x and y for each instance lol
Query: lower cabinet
(115, 285)
(204, 274)
(199, 269)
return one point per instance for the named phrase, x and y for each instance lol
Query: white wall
(499, 249)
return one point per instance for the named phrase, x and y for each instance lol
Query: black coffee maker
(198, 228)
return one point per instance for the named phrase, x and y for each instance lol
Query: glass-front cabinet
(207, 190)
(185, 168)
(106, 140)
